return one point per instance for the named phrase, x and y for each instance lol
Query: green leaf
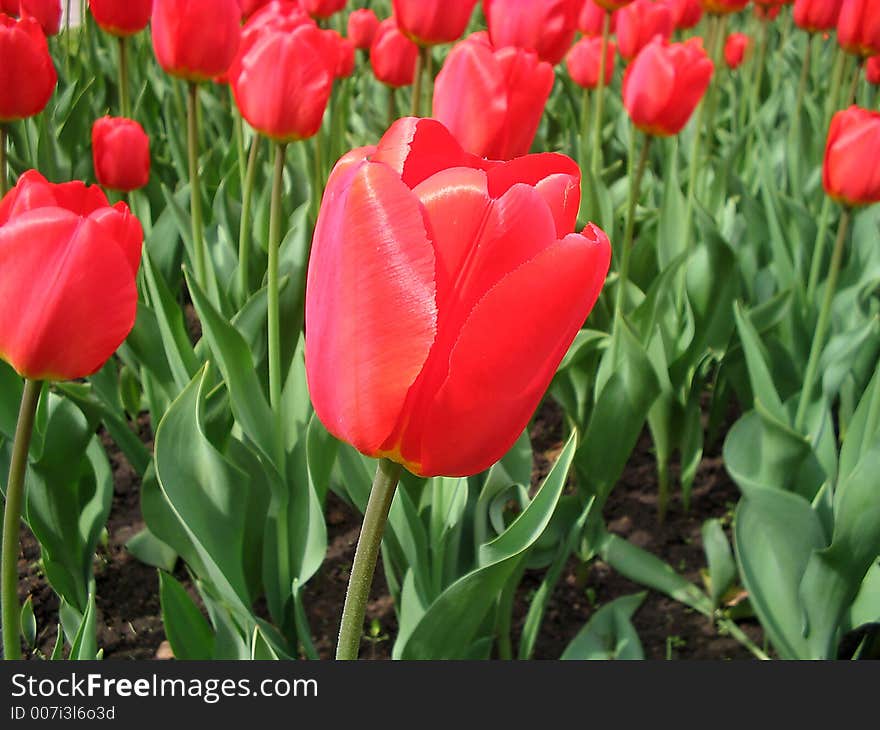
(188, 631)
(150, 550)
(84, 646)
(28, 623)
(609, 634)
(722, 566)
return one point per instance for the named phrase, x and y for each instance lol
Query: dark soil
(130, 626)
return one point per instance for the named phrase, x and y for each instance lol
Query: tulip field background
(678, 493)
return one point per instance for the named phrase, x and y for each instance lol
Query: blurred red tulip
(344, 50)
(735, 48)
(69, 263)
(463, 285)
(858, 27)
(850, 174)
(46, 12)
(27, 76)
(664, 84)
(9, 7)
(393, 56)
(544, 26)
(591, 18)
(639, 23)
(322, 8)
(281, 14)
(249, 7)
(196, 40)
(767, 12)
(362, 27)
(685, 13)
(723, 7)
(872, 70)
(816, 15)
(120, 153)
(432, 22)
(492, 100)
(582, 61)
(121, 17)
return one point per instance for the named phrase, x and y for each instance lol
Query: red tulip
(872, 70)
(432, 22)
(858, 27)
(591, 18)
(362, 27)
(492, 100)
(46, 12)
(546, 27)
(766, 13)
(344, 66)
(9, 7)
(282, 78)
(639, 22)
(68, 291)
(393, 56)
(724, 7)
(685, 13)
(281, 14)
(735, 49)
(850, 174)
(816, 15)
(121, 17)
(196, 40)
(583, 62)
(27, 76)
(120, 153)
(322, 8)
(664, 84)
(249, 7)
(462, 286)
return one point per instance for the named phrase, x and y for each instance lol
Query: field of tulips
(440, 329)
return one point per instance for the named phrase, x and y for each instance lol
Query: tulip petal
(371, 314)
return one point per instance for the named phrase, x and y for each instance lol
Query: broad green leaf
(722, 566)
(609, 633)
(188, 631)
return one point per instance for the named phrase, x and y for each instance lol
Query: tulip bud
(46, 12)
(850, 174)
(735, 48)
(393, 56)
(28, 77)
(582, 62)
(872, 70)
(362, 27)
(816, 15)
(685, 13)
(546, 27)
(322, 8)
(121, 17)
(432, 22)
(639, 23)
(121, 153)
(591, 18)
(858, 27)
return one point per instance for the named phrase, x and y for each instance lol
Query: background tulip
(431, 22)
(322, 8)
(582, 62)
(121, 153)
(816, 15)
(853, 139)
(393, 56)
(196, 39)
(121, 17)
(664, 84)
(639, 22)
(724, 7)
(591, 18)
(612, 5)
(462, 284)
(872, 70)
(46, 12)
(249, 7)
(544, 26)
(69, 262)
(858, 27)
(28, 77)
(735, 49)
(685, 13)
(362, 27)
(492, 100)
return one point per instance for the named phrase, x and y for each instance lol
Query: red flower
(639, 22)
(723, 7)
(196, 40)
(67, 294)
(850, 174)
(121, 17)
(592, 16)
(766, 13)
(121, 153)
(27, 76)
(685, 13)
(664, 84)
(9, 7)
(583, 61)
(362, 27)
(322, 8)
(492, 100)
(393, 56)
(432, 22)
(249, 7)
(816, 15)
(546, 27)
(46, 12)
(461, 283)
(735, 49)
(342, 50)
(872, 70)
(858, 27)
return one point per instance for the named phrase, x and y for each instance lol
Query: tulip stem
(716, 50)
(822, 323)
(596, 158)
(365, 556)
(416, 105)
(273, 297)
(4, 173)
(585, 128)
(854, 84)
(198, 233)
(795, 130)
(818, 248)
(244, 231)
(30, 397)
(836, 81)
(392, 105)
(124, 101)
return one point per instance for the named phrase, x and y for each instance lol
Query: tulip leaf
(188, 631)
(84, 646)
(722, 566)
(609, 634)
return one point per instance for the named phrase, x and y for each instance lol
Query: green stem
(795, 129)
(238, 129)
(737, 633)
(392, 105)
(30, 397)
(757, 76)
(693, 173)
(273, 296)
(818, 248)
(822, 323)
(836, 81)
(198, 233)
(124, 101)
(596, 158)
(585, 128)
(4, 174)
(854, 83)
(244, 231)
(366, 554)
(421, 62)
(716, 50)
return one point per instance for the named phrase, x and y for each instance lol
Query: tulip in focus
(28, 76)
(196, 40)
(735, 48)
(121, 17)
(46, 12)
(362, 27)
(582, 61)
(492, 100)
(546, 27)
(393, 56)
(850, 174)
(872, 70)
(322, 8)
(664, 84)
(120, 153)
(858, 27)
(432, 22)
(68, 293)
(463, 285)
(685, 13)
(724, 7)
(816, 16)
(639, 23)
